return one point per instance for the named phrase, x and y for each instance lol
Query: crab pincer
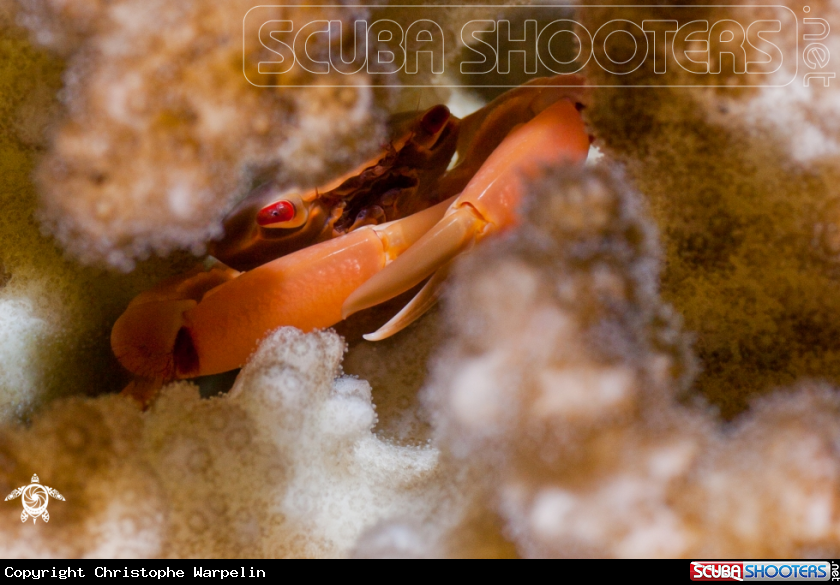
(487, 205)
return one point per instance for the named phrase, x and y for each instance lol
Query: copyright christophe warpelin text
(164, 573)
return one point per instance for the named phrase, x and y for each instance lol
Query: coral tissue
(647, 366)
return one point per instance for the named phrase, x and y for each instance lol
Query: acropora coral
(161, 133)
(560, 381)
(743, 184)
(284, 465)
(55, 316)
(646, 367)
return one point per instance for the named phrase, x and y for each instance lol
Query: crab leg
(488, 204)
(483, 131)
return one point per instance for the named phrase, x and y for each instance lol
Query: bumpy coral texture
(804, 119)
(802, 116)
(557, 425)
(559, 386)
(562, 401)
(55, 316)
(285, 465)
(744, 185)
(161, 131)
(396, 370)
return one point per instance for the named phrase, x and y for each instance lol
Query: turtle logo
(35, 499)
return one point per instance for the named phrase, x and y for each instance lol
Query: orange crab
(211, 319)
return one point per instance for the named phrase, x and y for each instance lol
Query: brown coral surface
(579, 366)
(162, 133)
(285, 465)
(560, 382)
(743, 183)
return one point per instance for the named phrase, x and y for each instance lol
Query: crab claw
(156, 351)
(487, 205)
(207, 322)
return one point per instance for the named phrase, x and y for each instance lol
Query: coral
(768, 487)
(560, 361)
(566, 380)
(745, 193)
(558, 386)
(803, 120)
(557, 430)
(161, 132)
(55, 317)
(284, 465)
(396, 370)
(571, 408)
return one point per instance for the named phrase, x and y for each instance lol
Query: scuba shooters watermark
(760, 43)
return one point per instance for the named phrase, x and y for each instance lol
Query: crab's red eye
(279, 212)
(434, 119)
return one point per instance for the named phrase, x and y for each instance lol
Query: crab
(312, 259)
